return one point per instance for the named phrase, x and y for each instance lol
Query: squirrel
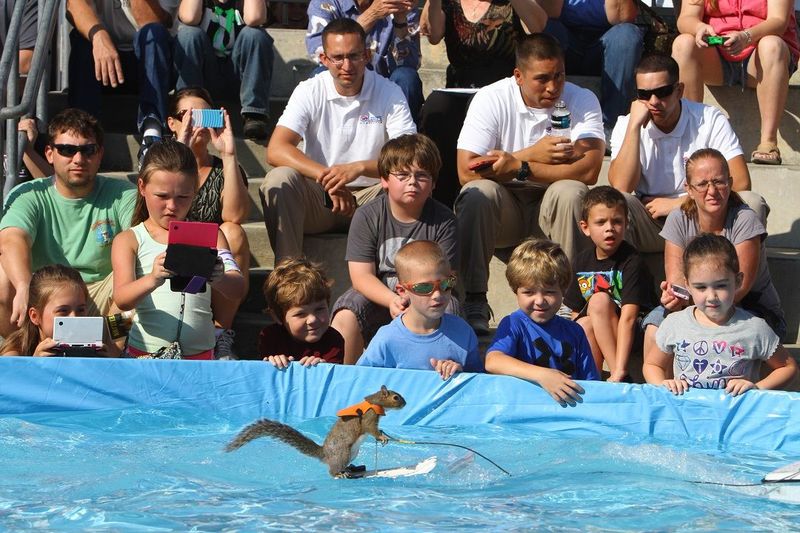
(344, 438)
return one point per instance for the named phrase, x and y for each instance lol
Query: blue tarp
(245, 390)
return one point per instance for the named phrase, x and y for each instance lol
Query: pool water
(161, 470)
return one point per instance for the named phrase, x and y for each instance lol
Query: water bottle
(560, 120)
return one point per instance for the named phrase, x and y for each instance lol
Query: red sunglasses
(426, 288)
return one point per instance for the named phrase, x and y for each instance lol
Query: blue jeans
(150, 61)
(613, 54)
(409, 82)
(250, 61)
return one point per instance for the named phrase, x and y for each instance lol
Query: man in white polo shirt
(343, 116)
(537, 183)
(650, 147)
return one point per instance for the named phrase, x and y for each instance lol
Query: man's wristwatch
(524, 172)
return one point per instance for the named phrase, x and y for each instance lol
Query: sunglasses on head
(659, 92)
(426, 288)
(69, 150)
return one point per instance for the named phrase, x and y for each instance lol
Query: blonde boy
(298, 295)
(425, 337)
(533, 343)
(409, 166)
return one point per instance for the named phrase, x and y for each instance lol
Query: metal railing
(34, 96)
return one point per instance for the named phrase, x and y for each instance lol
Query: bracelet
(399, 25)
(93, 31)
(749, 37)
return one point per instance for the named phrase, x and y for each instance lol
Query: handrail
(15, 143)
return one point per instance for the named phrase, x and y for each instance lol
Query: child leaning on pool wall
(533, 343)
(298, 295)
(424, 336)
(713, 344)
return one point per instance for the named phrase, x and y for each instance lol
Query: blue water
(150, 470)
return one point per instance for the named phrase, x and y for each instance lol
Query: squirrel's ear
(384, 390)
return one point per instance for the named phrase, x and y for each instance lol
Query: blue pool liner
(245, 390)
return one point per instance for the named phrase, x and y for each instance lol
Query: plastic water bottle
(560, 120)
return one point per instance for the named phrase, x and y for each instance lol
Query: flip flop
(766, 154)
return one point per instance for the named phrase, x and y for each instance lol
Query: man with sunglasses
(650, 147)
(344, 116)
(70, 218)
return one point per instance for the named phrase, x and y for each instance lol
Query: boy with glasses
(70, 218)
(343, 116)
(409, 166)
(650, 147)
(424, 337)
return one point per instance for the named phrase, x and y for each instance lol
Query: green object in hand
(715, 40)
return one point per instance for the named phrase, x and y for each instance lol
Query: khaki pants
(491, 215)
(293, 207)
(101, 295)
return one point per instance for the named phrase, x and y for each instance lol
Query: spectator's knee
(773, 51)
(476, 194)
(570, 191)
(281, 178)
(153, 31)
(601, 303)
(255, 36)
(683, 47)
(234, 234)
(191, 34)
(623, 37)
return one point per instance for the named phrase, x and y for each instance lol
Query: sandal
(766, 154)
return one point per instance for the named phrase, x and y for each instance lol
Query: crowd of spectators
(508, 180)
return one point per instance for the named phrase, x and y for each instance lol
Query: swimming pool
(124, 445)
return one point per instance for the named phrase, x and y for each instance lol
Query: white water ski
(784, 483)
(422, 467)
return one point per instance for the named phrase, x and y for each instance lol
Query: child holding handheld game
(713, 344)
(55, 291)
(165, 319)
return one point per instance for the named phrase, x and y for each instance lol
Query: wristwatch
(524, 172)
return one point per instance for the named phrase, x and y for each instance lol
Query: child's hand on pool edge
(676, 386)
(560, 386)
(737, 386)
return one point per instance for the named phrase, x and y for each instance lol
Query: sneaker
(147, 142)
(223, 350)
(256, 127)
(478, 314)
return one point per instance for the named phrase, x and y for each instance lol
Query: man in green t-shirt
(69, 218)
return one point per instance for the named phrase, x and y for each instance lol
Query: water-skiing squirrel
(344, 439)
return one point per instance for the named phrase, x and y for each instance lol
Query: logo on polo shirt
(369, 118)
(103, 232)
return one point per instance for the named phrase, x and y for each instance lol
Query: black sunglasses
(659, 92)
(69, 150)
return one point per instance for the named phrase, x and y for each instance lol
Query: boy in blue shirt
(425, 337)
(533, 343)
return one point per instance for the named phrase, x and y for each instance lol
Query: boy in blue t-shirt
(425, 337)
(533, 343)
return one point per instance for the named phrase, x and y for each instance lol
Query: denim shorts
(735, 72)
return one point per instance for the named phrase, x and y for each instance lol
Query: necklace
(478, 4)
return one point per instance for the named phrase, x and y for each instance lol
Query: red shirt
(275, 340)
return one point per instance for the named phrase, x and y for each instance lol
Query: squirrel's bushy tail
(270, 428)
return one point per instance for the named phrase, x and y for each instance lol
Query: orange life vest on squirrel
(360, 408)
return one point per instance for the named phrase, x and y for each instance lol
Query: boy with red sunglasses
(424, 336)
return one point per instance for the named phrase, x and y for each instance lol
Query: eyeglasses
(426, 288)
(719, 184)
(69, 150)
(659, 92)
(420, 177)
(338, 60)
(179, 115)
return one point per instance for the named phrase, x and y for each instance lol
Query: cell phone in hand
(207, 118)
(482, 164)
(715, 40)
(327, 201)
(681, 292)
